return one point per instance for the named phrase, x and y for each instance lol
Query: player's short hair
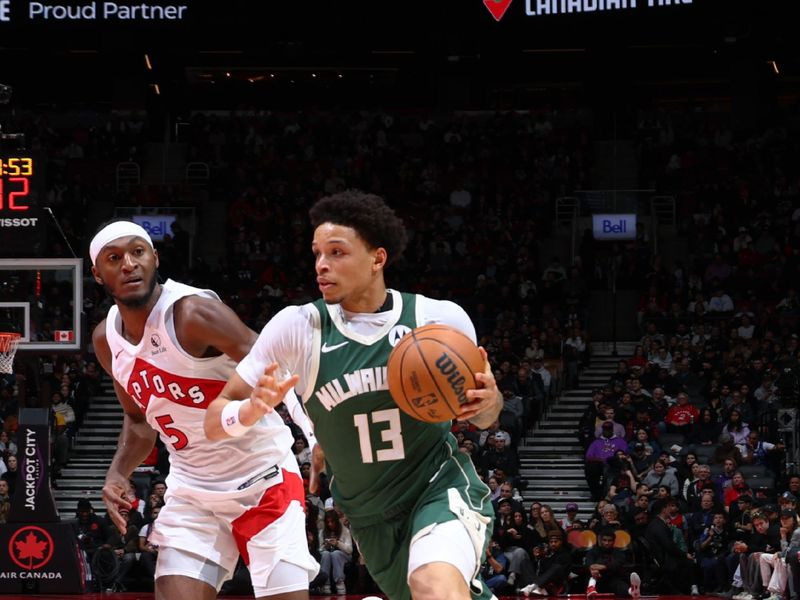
(369, 215)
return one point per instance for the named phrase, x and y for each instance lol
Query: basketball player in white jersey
(170, 349)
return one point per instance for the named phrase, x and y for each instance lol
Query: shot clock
(16, 173)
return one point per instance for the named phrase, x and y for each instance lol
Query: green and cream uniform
(394, 477)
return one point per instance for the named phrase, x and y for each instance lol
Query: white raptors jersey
(173, 390)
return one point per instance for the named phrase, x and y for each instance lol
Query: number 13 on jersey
(390, 434)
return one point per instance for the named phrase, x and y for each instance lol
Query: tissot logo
(497, 7)
(31, 547)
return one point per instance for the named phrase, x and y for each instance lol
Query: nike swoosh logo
(326, 348)
(116, 356)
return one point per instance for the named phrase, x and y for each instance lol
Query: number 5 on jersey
(181, 441)
(391, 435)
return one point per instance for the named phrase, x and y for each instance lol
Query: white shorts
(265, 525)
(452, 536)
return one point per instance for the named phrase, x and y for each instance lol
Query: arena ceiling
(382, 52)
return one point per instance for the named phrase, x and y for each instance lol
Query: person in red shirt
(682, 415)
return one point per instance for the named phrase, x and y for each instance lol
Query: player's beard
(136, 301)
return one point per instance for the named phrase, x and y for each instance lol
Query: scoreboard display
(22, 227)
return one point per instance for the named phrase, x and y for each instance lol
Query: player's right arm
(263, 385)
(136, 440)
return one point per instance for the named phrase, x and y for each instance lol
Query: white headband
(114, 231)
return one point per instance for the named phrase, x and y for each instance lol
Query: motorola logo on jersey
(397, 333)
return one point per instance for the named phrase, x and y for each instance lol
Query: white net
(8, 348)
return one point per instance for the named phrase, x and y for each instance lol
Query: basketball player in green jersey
(417, 509)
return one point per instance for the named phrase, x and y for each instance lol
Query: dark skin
(126, 267)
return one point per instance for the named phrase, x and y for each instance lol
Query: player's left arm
(204, 324)
(485, 402)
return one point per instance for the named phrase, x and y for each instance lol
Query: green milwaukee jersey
(380, 459)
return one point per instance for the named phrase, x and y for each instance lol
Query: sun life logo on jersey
(397, 333)
(155, 341)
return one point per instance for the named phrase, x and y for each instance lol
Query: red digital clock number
(14, 196)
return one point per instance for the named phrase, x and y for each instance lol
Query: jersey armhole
(316, 342)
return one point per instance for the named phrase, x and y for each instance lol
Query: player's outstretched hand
(485, 399)
(115, 492)
(266, 395)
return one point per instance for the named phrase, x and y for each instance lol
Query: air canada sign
(538, 8)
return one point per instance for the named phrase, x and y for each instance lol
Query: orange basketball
(430, 371)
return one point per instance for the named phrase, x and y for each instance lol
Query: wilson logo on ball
(456, 380)
(430, 371)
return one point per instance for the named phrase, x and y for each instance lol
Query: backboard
(42, 299)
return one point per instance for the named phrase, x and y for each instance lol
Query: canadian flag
(64, 335)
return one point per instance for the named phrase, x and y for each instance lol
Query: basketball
(430, 371)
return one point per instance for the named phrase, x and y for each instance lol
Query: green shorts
(385, 545)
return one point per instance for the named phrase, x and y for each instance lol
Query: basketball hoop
(8, 348)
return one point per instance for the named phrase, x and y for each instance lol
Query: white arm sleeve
(286, 340)
(445, 312)
(300, 418)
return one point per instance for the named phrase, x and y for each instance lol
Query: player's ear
(379, 261)
(155, 254)
(96, 275)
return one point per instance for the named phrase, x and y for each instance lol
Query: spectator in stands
(125, 547)
(705, 431)
(659, 475)
(764, 538)
(609, 519)
(147, 549)
(514, 538)
(720, 302)
(301, 450)
(608, 417)
(757, 452)
(549, 522)
(712, 548)
(11, 476)
(602, 449)
(607, 568)
(535, 524)
(697, 522)
(88, 528)
(501, 455)
(571, 520)
(793, 485)
(738, 487)
(724, 480)
(642, 435)
(7, 445)
(725, 450)
(336, 551)
(694, 490)
(682, 416)
(676, 565)
(538, 368)
(774, 573)
(5, 501)
(787, 501)
(736, 428)
(495, 568)
(507, 494)
(553, 569)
